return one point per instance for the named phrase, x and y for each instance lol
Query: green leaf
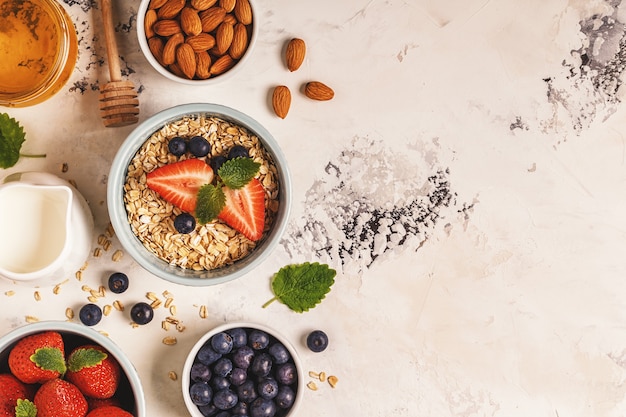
(302, 286)
(49, 359)
(211, 200)
(25, 408)
(11, 138)
(235, 173)
(85, 358)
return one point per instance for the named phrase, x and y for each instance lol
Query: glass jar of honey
(38, 51)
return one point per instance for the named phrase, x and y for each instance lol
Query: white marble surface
(471, 123)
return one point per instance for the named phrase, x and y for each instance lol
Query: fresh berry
(286, 373)
(11, 390)
(201, 393)
(242, 357)
(177, 146)
(239, 335)
(245, 209)
(60, 398)
(285, 397)
(238, 376)
(118, 282)
(225, 399)
(247, 391)
(238, 151)
(267, 388)
(199, 146)
(222, 367)
(222, 343)
(219, 382)
(90, 314)
(200, 372)
(94, 371)
(102, 402)
(184, 223)
(279, 353)
(216, 162)
(38, 358)
(178, 183)
(109, 411)
(317, 341)
(207, 355)
(262, 407)
(261, 365)
(142, 313)
(259, 339)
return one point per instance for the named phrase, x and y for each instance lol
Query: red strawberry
(101, 402)
(38, 358)
(11, 390)
(60, 398)
(178, 183)
(245, 209)
(109, 411)
(94, 371)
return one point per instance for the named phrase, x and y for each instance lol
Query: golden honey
(38, 51)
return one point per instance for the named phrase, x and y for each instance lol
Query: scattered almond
(316, 90)
(281, 101)
(295, 53)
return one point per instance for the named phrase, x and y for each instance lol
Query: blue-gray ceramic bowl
(147, 259)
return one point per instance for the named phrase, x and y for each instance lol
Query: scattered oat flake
(79, 275)
(312, 386)
(9, 293)
(170, 340)
(203, 313)
(64, 167)
(151, 296)
(173, 310)
(37, 296)
(31, 319)
(172, 375)
(118, 305)
(168, 302)
(97, 252)
(155, 304)
(322, 376)
(332, 381)
(165, 325)
(69, 313)
(117, 256)
(92, 299)
(102, 332)
(106, 310)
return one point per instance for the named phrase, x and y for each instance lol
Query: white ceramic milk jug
(46, 228)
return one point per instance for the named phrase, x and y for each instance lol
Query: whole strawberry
(11, 390)
(38, 358)
(60, 398)
(109, 411)
(94, 371)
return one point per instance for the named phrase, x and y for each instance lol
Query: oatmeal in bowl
(199, 194)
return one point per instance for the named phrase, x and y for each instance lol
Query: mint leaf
(302, 286)
(85, 358)
(25, 408)
(12, 137)
(49, 359)
(211, 200)
(235, 173)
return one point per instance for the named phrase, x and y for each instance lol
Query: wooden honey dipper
(119, 105)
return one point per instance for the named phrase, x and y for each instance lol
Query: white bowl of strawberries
(199, 194)
(62, 369)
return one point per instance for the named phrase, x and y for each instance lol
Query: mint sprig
(211, 200)
(12, 136)
(49, 359)
(302, 286)
(25, 408)
(236, 173)
(85, 358)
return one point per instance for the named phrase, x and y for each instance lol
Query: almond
(166, 27)
(294, 55)
(171, 9)
(155, 4)
(190, 21)
(175, 69)
(202, 42)
(186, 60)
(281, 100)
(202, 4)
(151, 17)
(221, 65)
(203, 63)
(243, 11)
(316, 90)
(240, 41)
(211, 18)
(223, 37)
(169, 50)
(156, 48)
(230, 18)
(228, 5)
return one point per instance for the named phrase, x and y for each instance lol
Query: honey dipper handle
(109, 35)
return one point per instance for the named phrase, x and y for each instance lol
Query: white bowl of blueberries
(242, 369)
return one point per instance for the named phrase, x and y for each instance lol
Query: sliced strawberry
(245, 209)
(178, 183)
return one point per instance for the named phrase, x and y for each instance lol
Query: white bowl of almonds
(196, 42)
(199, 194)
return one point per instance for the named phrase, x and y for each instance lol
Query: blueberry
(207, 355)
(90, 314)
(177, 146)
(208, 410)
(222, 343)
(247, 391)
(240, 409)
(223, 414)
(238, 376)
(184, 223)
(201, 393)
(267, 388)
(258, 339)
(142, 313)
(242, 358)
(225, 399)
(200, 372)
(239, 335)
(286, 373)
(118, 282)
(216, 162)
(199, 146)
(219, 382)
(317, 341)
(238, 151)
(223, 367)
(261, 365)
(285, 397)
(279, 353)
(262, 407)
